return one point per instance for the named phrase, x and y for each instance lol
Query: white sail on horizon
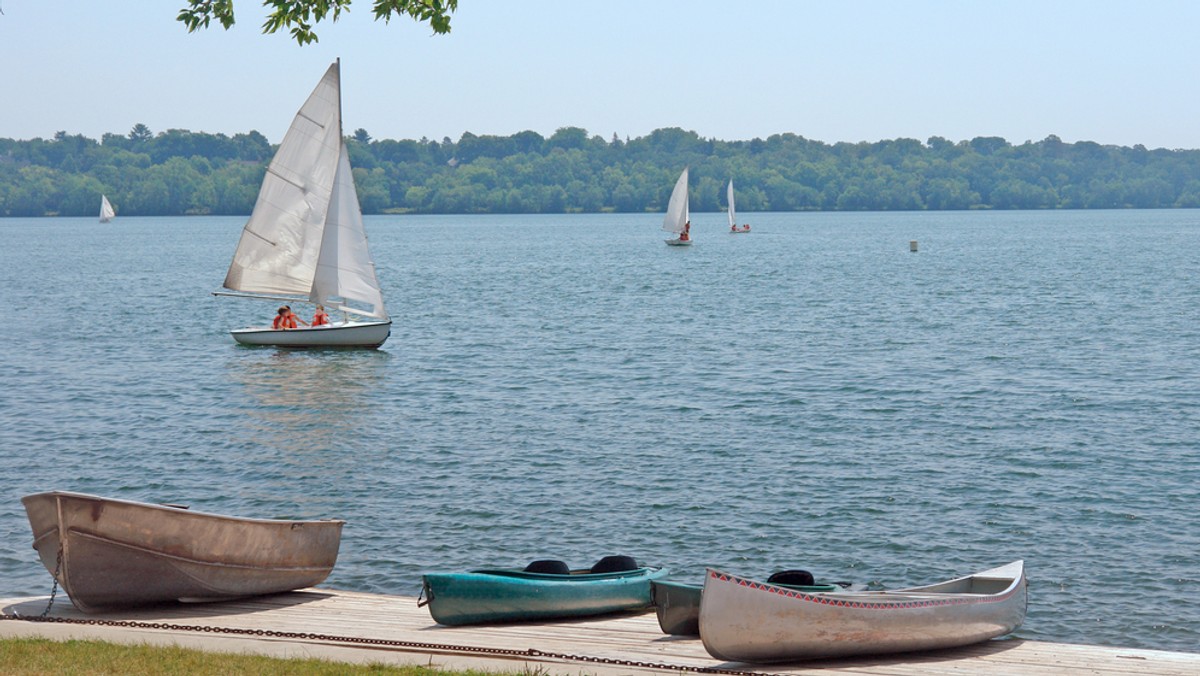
(677, 209)
(732, 213)
(106, 210)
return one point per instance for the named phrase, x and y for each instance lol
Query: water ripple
(812, 395)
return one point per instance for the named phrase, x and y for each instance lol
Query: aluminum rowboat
(119, 553)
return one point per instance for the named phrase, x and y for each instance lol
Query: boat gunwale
(574, 577)
(301, 329)
(810, 588)
(898, 599)
(58, 495)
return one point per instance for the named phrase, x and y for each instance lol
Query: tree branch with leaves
(300, 16)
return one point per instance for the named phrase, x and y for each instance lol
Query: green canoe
(510, 595)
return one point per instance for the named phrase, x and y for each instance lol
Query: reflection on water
(304, 400)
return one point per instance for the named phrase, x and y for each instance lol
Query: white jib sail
(106, 210)
(732, 213)
(280, 244)
(677, 208)
(344, 266)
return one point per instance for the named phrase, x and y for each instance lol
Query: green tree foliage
(300, 16)
(182, 172)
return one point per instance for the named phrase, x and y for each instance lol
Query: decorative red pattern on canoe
(832, 600)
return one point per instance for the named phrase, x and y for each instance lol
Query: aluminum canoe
(742, 620)
(120, 553)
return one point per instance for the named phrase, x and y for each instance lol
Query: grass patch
(21, 656)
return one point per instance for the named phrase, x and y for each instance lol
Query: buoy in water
(912, 246)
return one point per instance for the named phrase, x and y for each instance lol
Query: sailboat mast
(341, 131)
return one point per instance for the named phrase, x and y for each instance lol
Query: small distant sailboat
(305, 240)
(106, 210)
(677, 219)
(733, 228)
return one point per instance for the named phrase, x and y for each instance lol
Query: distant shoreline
(178, 172)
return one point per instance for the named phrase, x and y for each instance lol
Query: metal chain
(53, 592)
(54, 587)
(439, 647)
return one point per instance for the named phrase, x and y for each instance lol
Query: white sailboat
(106, 210)
(677, 219)
(305, 240)
(733, 213)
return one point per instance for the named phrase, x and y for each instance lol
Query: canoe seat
(800, 578)
(550, 566)
(614, 564)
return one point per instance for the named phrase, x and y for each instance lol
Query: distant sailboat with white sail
(305, 240)
(106, 210)
(678, 219)
(733, 228)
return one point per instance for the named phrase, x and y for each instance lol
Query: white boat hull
(341, 334)
(742, 620)
(678, 242)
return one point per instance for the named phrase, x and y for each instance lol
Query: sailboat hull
(678, 242)
(347, 334)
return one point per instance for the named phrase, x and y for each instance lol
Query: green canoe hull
(503, 595)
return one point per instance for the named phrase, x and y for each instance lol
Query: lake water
(811, 394)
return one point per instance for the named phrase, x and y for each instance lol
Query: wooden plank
(628, 643)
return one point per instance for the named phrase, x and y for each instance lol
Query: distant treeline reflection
(181, 172)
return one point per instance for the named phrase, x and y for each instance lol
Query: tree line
(177, 172)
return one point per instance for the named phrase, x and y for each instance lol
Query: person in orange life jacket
(684, 236)
(319, 317)
(292, 319)
(281, 318)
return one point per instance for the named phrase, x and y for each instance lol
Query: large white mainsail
(305, 237)
(677, 208)
(106, 210)
(732, 213)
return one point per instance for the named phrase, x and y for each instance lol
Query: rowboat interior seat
(614, 564)
(799, 578)
(550, 566)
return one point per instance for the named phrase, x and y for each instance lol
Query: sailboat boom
(289, 299)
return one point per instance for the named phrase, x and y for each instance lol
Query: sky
(1119, 73)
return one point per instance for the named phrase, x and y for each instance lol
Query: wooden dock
(373, 628)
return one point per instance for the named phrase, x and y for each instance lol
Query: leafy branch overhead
(300, 16)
